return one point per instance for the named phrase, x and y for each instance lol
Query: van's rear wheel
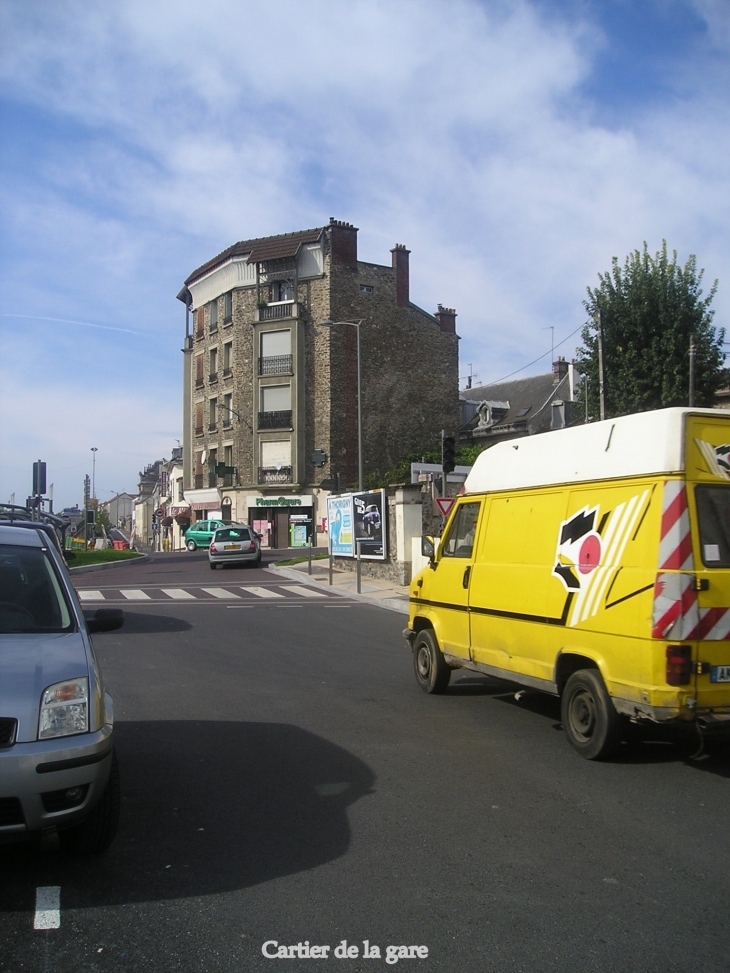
(591, 723)
(432, 672)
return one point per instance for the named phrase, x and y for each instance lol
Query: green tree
(650, 309)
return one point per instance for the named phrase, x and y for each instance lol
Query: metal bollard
(359, 575)
(309, 557)
(330, 567)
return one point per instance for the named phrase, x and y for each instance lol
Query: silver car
(234, 544)
(58, 769)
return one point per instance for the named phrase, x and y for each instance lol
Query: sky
(514, 146)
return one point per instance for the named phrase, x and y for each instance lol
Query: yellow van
(592, 563)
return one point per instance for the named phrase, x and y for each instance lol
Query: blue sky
(514, 146)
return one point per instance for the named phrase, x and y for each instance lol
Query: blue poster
(339, 514)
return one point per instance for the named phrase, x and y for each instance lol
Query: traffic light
(39, 478)
(448, 454)
(91, 517)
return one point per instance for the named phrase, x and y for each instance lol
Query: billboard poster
(339, 515)
(369, 513)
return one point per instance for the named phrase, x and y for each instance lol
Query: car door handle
(465, 579)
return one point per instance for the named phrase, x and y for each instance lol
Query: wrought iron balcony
(275, 365)
(275, 474)
(275, 420)
(282, 309)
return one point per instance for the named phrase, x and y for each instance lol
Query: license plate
(231, 547)
(720, 674)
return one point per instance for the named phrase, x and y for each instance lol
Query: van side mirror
(428, 548)
(69, 555)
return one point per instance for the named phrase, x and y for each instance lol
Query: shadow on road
(207, 807)
(136, 623)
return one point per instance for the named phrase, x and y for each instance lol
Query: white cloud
(459, 129)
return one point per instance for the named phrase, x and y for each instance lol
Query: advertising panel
(339, 515)
(370, 516)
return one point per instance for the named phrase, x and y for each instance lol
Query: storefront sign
(279, 501)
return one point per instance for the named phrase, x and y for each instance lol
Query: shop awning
(203, 499)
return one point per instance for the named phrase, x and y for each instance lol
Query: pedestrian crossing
(232, 595)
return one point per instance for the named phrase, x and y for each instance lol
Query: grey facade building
(265, 385)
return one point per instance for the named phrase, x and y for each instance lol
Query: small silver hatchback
(58, 769)
(235, 544)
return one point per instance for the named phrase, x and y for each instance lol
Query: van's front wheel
(432, 672)
(591, 723)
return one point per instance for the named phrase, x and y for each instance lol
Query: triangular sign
(445, 504)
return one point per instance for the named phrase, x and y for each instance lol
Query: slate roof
(260, 249)
(527, 399)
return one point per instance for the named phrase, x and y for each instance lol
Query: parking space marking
(260, 592)
(179, 594)
(91, 595)
(220, 593)
(135, 594)
(301, 590)
(47, 907)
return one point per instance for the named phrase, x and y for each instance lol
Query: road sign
(445, 504)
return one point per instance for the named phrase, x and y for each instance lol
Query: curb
(397, 603)
(85, 568)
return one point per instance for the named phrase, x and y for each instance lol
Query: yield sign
(444, 504)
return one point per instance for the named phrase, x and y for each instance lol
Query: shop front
(282, 521)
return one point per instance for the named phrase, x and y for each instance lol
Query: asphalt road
(285, 780)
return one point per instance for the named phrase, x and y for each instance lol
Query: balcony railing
(226, 372)
(275, 474)
(275, 365)
(275, 420)
(212, 480)
(199, 481)
(227, 423)
(273, 312)
(199, 381)
(213, 377)
(199, 430)
(212, 426)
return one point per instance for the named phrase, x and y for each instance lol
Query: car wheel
(94, 835)
(432, 672)
(191, 546)
(591, 723)
(212, 566)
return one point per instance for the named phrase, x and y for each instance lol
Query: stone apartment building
(266, 385)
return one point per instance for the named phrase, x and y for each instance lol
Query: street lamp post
(356, 325)
(94, 451)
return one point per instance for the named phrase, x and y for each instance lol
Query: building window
(275, 462)
(366, 289)
(199, 471)
(199, 379)
(180, 491)
(228, 460)
(227, 411)
(282, 290)
(227, 358)
(228, 307)
(213, 315)
(213, 364)
(200, 322)
(212, 461)
(213, 425)
(276, 412)
(198, 418)
(276, 357)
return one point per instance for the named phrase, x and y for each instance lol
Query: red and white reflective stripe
(675, 545)
(714, 625)
(676, 613)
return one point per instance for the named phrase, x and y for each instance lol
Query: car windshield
(31, 596)
(233, 534)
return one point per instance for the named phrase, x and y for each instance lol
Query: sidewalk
(375, 591)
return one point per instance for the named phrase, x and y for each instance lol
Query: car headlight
(64, 709)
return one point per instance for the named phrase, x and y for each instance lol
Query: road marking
(47, 907)
(135, 594)
(91, 596)
(260, 592)
(301, 590)
(221, 593)
(179, 594)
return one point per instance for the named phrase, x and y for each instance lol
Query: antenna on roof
(470, 378)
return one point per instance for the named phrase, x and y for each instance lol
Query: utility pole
(601, 378)
(692, 360)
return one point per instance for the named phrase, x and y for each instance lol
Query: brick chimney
(400, 266)
(446, 317)
(343, 240)
(560, 370)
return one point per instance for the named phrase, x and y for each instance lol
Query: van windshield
(713, 515)
(31, 597)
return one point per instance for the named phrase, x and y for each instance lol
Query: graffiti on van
(589, 552)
